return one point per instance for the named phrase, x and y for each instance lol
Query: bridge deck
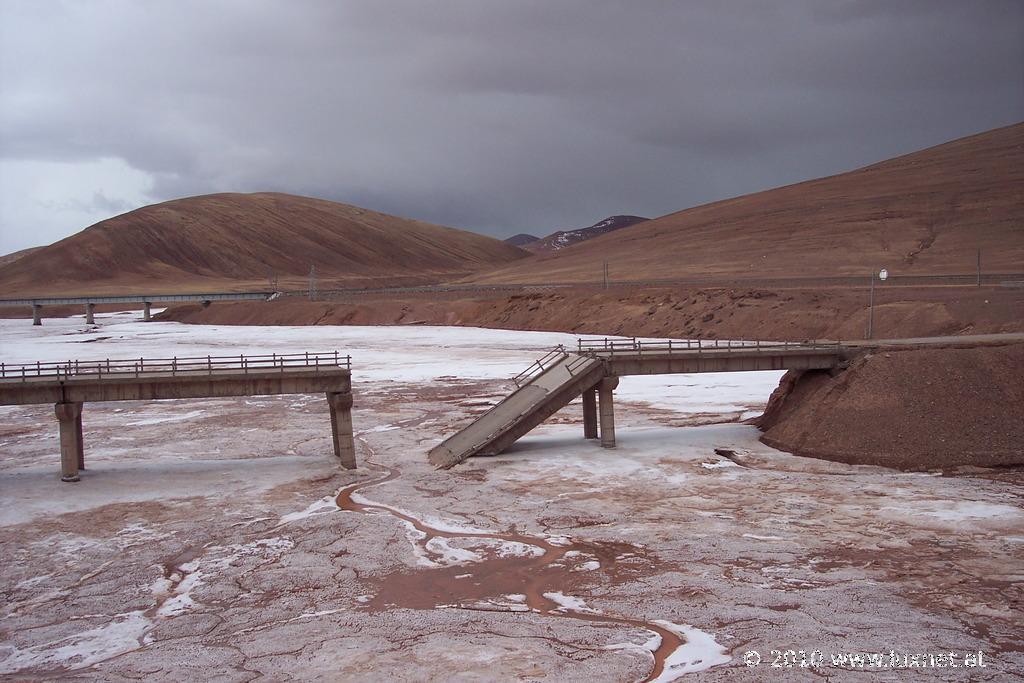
(551, 384)
(548, 385)
(558, 378)
(70, 384)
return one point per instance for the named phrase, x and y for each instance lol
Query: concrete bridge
(147, 301)
(593, 371)
(594, 367)
(68, 385)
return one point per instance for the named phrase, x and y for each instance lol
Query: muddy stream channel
(475, 569)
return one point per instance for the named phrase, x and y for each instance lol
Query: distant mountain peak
(564, 238)
(521, 240)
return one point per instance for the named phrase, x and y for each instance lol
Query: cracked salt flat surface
(325, 504)
(119, 635)
(181, 417)
(753, 555)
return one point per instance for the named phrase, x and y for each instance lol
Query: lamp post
(882, 275)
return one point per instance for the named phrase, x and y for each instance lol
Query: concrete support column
(590, 414)
(37, 314)
(90, 311)
(146, 312)
(79, 440)
(341, 428)
(607, 409)
(71, 447)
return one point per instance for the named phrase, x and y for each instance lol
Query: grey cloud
(98, 203)
(501, 116)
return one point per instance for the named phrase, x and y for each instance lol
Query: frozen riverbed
(206, 538)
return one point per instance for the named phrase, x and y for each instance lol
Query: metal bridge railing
(609, 347)
(540, 365)
(190, 366)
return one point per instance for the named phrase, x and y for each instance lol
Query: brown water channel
(478, 585)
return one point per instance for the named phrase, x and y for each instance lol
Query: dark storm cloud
(498, 116)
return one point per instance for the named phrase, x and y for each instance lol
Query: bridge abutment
(590, 414)
(72, 450)
(607, 410)
(341, 428)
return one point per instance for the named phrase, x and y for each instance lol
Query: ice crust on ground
(753, 534)
(569, 603)
(325, 504)
(698, 653)
(119, 635)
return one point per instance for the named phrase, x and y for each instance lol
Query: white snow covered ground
(199, 523)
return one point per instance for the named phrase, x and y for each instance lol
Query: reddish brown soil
(918, 409)
(749, 314)
(15, 255)
(235, 241)
(923, 213)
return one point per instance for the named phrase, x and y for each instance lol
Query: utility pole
(871, 308)
(882, 275)
(606, 275)
(979, 267)
(312, 283)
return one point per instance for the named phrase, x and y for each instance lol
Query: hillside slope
(238, 240)
(926, 212)
(15, 255)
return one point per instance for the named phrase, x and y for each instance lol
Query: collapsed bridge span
(592, 371)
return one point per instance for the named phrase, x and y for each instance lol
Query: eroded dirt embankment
(916, 409)
(662, 312)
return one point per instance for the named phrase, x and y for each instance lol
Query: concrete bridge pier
(37, 314)
(72, 451)
(607, 409)
(90, 314)
(590, 414)
(341, 428)
(146, 311)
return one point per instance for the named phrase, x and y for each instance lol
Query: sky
(489, 115)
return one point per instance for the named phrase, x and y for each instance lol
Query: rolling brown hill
(15, 255)
(923, 213)
(241, 241)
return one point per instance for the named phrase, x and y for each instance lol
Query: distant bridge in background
(147, 301)
(1008, 280)
(851, 281)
